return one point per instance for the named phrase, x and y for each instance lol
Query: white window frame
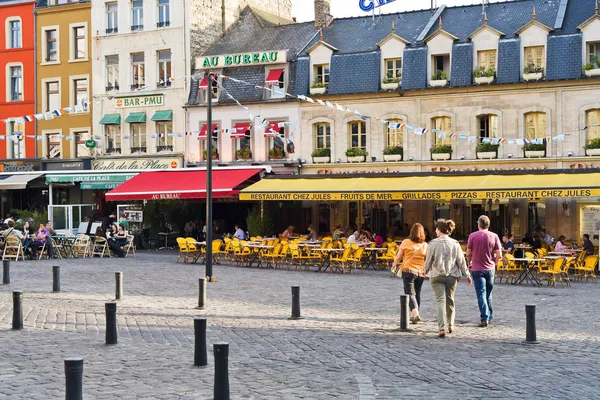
(73, 42)
(8, 75)
(113, 132)
(137, 16)
(165, 79)
(10, 144)
(277, 92)
(46, 143)
(164, 14)
(133, 74)
(9, 33)
(165, 127)
(115, 72)
(135, 130)
(111, 16)
(45, 29)
(323, 74)
(72, 94)
(75, 143)
(216, 95)
(45, 81)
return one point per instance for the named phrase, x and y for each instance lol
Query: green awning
(163, 116)
(111, 119)
(90, 178)
(99, 185)
(136, 118)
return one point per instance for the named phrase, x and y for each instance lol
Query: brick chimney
(322, 13)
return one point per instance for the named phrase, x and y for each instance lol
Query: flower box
(487, 154)
(532, 76)
(276, 157)
(356, 159)
(534, 154)
(390, 86)
(438, 82)
(317, 90)
(592, 152)
(321, 160)
(484, 80)
(440, 156)
(392, 157)
(593, 72)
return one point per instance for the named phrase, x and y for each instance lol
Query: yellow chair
(217, 251)
(183, 249)
(386, 259)
(13, 249)
(81, 247)
(340, 261)
(356, 258)
(193, 250)
(271, 256)
(589, 268)
(555, 271)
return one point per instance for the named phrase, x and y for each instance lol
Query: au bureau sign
(139, 101)
(136, 163)
(242, 59)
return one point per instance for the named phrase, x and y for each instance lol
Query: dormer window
(392, 51)
(393, 68)
(593, 52)
(439, 50)
(275, 81)
(534, 38)
(486, 59)
(534, 57)
(320, 60)
(322, 74)
(590, 33)
(440, 62)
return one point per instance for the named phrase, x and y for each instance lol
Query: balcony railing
(136, 28)
(163, 84)
(164, 148)
(114, 150)
(111, 88)
(163, 24)
(138, 149)
(137, 86)
(111, 30)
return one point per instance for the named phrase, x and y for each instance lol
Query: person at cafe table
(588, 246)
(312, 234)
(39, 238)
(239, 233)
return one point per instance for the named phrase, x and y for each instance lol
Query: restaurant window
(164, 14)
(165, 136)
(112, 18)
(53, 145)
(164, 68)
(16, 83)
(488, 126)
(138, 138)
(16, 147)
(537, 216)
(442, 125)
(396, 219)
(51, 45)
(80, 94)
(79, 42)
(535, 125)
(322, 74)
(79, 138)
(593, 125)
(593, 53)
(137, 71)
(534, 56)
(358, 134)
(395, 135)
(323, 135)
(486, 59)
(137, 15)
(112, 136)
(52, 96)
(442, 211)
(15, 34)
(112, 73)
(393, 68)
(324, 218)
(353, 216)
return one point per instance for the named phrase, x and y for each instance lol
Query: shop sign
(589, 220)
(65, 165)
(136, 163)
(242, 59)
(89, 178)
(19, 166)
(458, 195)
(140, 101)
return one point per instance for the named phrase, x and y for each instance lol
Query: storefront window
(537, 216)
(323, 135)
(353, 215)
(113, 138)
(396, 220)
(138, 138)
(395, 135)
(165, 136)
(593, 122)
(358, 134)
(442, 211)
(442, 124)
(535, 125)
(324, 218)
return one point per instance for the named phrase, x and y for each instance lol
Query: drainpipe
(223, 22)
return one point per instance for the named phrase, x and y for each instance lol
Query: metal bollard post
(111, 322)
(55, 278)
(221, 390)
(404, 312)
(201, 293)
(5, 272)
(17, 321)
(200, 358)
(295, 303)
(531, 335)
(119, 286)
(74, 378)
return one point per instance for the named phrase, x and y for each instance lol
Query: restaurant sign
(139, 101)
(20, 166)
(136, 163)
(89, 178)
(242, 59)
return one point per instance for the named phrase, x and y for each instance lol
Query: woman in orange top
(412, 254)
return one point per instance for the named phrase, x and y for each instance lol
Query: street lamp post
(209, 210)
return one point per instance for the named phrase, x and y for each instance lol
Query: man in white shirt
(354, 238)
(239, 233)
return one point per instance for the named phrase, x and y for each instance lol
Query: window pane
(593, 120)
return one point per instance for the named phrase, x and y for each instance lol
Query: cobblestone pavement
(345, 348)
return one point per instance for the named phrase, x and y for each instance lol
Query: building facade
(17, 63)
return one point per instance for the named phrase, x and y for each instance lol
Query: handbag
(398, 272)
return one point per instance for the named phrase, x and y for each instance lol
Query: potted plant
(592, 69)
(215, 155)
(535, 150)
(391, 82)
(487, 150)
(243, 154)
(593, 147)
(439, 78)
(532, 73)
(321, 156)
(276, 153)
(356, 154)
(441, 152)
(393, 153)
(317, 87)
(483, 75)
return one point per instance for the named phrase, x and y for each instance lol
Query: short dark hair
(417, 233)
(445, 226)
(585, 235)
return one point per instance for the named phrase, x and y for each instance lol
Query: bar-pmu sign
(368, 5)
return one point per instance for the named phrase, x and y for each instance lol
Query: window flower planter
(318, 90)
(356, 159)
(390, 86)
(321, 160)
(483, 80)
(392, 157)
(536, 76)
(535, 153)
(592, 152)
(440, 156)
(487, 154)
(592, 72)
(438, 82)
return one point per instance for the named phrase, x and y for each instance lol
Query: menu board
(589, 220)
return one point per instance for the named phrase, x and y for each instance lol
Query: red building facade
(17, 69)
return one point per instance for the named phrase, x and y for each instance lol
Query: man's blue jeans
(484, 284)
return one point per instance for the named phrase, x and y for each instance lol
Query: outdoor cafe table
(65, 243)
(529, 265)
(199, 254)
(327, 260)
(256, 253)
(372, 259)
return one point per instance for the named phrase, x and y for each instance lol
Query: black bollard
(111, 322)
(531, 335)
(119, 285)
(221, 351)
(74, 378)
(17, 322)
(56, 278)
(404, 312)
(295, 303)
(200, 358)
(201, 293)
(5, 272)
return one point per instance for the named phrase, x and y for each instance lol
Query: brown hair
(445, 226)
(561, 238)
(11, 223)
(417, 233)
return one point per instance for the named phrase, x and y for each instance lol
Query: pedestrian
(483, 253)
(239, 233)
(445, 263)
(412, 255)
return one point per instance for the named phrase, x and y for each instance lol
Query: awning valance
(204, 83)
(111, 119)
(15, 182)
(239, 130)
(136, 118)
(89, 178)
(451, 187)
(167, 185)
(273, 77)
(204, 129)
(273, 129)
(166, 115)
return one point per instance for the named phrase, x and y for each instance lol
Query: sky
(304, 9)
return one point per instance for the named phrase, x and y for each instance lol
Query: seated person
(508, 245)
(560, 244)
(39, 239)
(378, 240)
(312, 234)
(536, 242)
(288, 232)
(588, 246)
(10, 231)
(50, 229)
(338, 233)
(118, 240)
(354, 238)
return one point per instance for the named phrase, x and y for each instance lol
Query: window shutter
(493, 126)
(529, 56)
(492, 60)
(539, 57)
(529, 126)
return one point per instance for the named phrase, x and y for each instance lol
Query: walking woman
(412, 254)
(445, 263)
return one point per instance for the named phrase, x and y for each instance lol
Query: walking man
(483, 252)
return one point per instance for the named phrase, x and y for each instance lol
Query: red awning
(239, 131)
(272, 129)
(167, 185)
(204, 83)
(273, 77)
(215, 127)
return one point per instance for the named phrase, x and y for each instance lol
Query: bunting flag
(28, 118)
